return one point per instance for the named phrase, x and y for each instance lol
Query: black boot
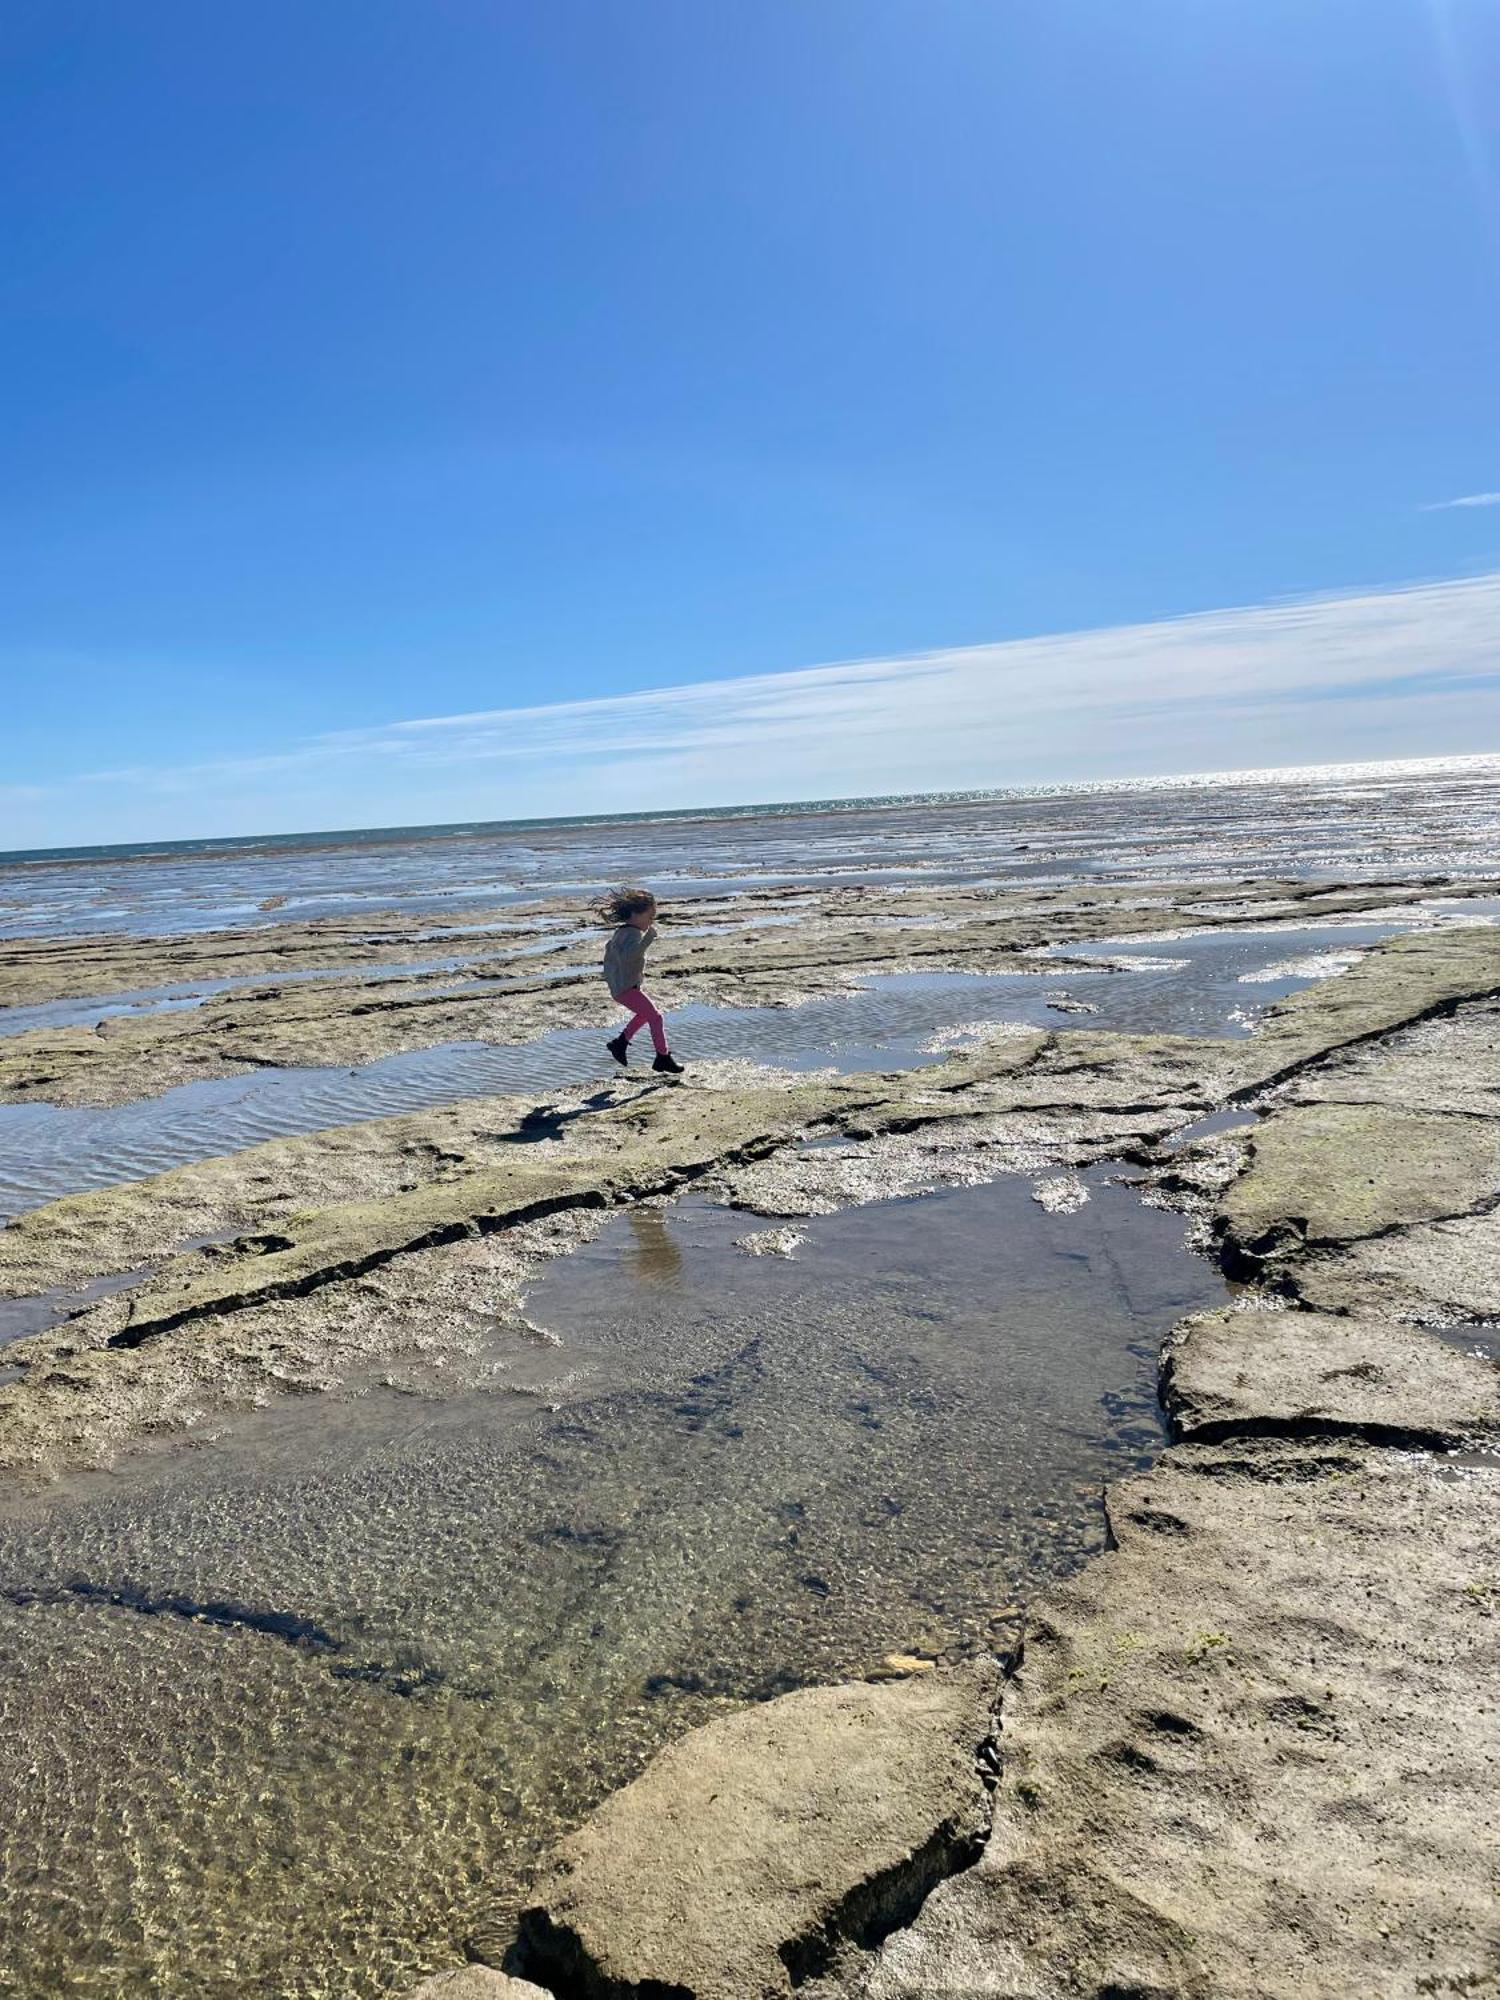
(619, 1048)
(668, 1064)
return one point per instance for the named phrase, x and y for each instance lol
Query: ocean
(1429, 816)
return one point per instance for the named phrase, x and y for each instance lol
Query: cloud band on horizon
(1401, 672)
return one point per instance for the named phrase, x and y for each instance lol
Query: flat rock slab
(1405, 979)
(1309, 1373)
(748, 1853)
(476, 1982)
(1251, 1754)
(1440, 1273)
(1392, 1210)
(1450, 1064)
(1331, 1173)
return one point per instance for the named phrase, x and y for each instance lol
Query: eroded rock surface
(1252, 1753)
(332, 1238)
(1418, 977)
(1373, 1177)
(1323, 1174)
(751, 1850)
(365, 990)
(1318, 1374)
(344, 1248)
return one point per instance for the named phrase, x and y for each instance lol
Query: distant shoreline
(312, 840)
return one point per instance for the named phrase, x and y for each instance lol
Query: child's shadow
(545, 1121)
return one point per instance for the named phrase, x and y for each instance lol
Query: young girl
(634, 911)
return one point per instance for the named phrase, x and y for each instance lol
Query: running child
(634, 911)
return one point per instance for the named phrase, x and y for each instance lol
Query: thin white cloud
(1463, 500)
(1384, 673)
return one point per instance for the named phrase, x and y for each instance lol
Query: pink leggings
(644, 1013)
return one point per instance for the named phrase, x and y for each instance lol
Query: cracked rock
(1331, 1173)
(1317, 1373)
(1442, 1273)
(1251, 1754)
(753, 1850)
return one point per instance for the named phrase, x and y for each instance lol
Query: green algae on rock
(1208, 1727)
(316, 1216)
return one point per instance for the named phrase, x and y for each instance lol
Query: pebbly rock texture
(1252, 1753)
(1374, 1175)
(342, 1241)
(1330, 1173)
(360, 991)
(1373, 1184)
(1446, 1273)
(1317, 1375)
(338, 1240)
(1422, 976)
(752, 1850)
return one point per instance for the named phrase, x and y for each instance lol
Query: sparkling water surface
(1429, 816)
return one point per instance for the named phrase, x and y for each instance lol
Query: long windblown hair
(620, 905)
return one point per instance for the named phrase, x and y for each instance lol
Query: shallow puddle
(1218, 982)
(365, 1659)
(20, 1317)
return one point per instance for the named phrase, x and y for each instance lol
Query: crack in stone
(1438, 1010)
(1327, 1430)
(458, 1230)
(307, 1282)
(1271, 1255)
(1384, 1104)
(887, 1901)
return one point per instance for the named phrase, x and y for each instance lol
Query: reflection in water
(378, 1652)
(655, 1257)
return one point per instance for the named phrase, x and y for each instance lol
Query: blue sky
(370, 364)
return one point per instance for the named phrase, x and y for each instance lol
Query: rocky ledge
(1251, 1753)
(94, 1029)
(754, 1851)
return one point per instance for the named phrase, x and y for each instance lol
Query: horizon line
(1329, 770)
